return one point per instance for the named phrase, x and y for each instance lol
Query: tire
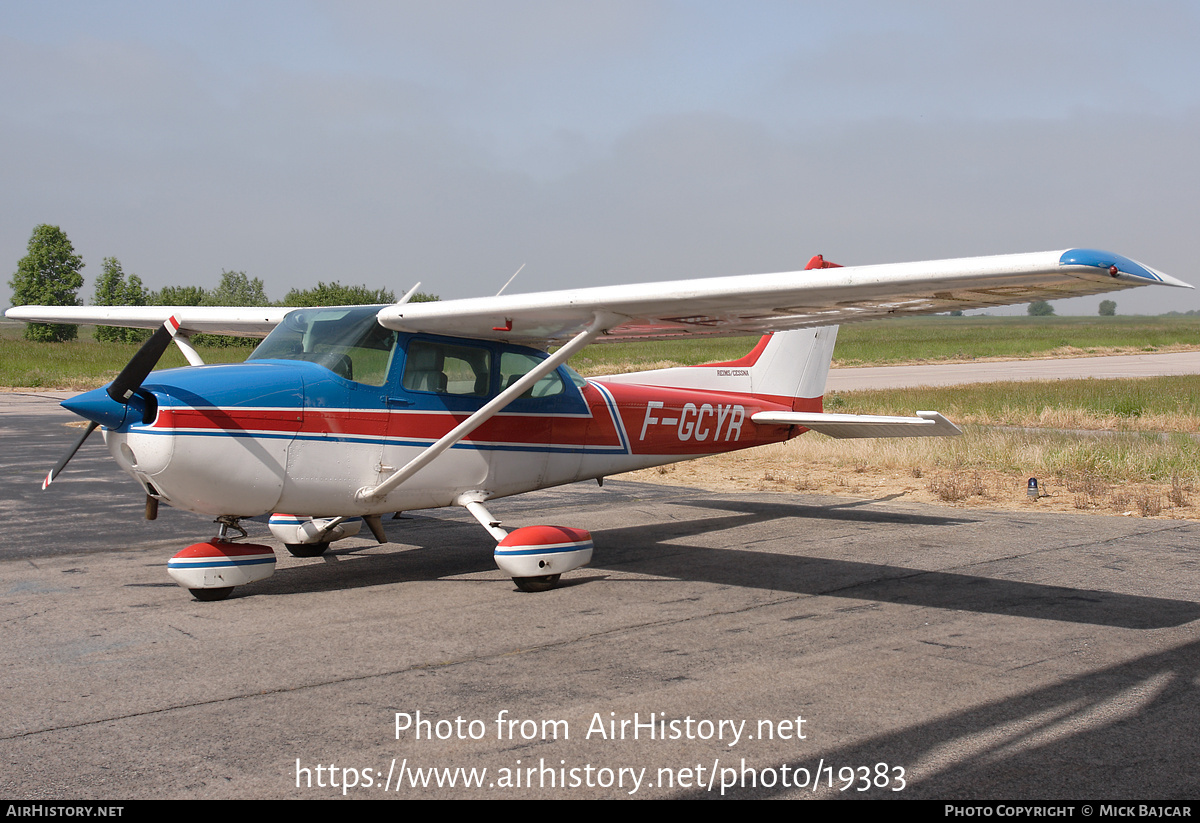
(211, 595)
(306, 549)
(537, 584)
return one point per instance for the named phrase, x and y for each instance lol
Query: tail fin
(795, 365)
(787, 367)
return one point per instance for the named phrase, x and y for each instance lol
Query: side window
(447, 369)
(514, 365)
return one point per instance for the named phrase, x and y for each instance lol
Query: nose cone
(98, 407)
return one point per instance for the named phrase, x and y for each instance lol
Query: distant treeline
(49, 275)
(235, 289)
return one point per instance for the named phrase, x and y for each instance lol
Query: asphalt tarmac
(732, 645)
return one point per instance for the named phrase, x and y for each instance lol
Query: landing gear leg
(534, 556)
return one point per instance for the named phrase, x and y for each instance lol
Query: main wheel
(306, 549)
(537, 584)
(211, 595)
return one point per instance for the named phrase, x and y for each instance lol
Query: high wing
(237, 321)
(713, 307)
(753, 304)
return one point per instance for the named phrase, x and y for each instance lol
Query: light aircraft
(343, 414)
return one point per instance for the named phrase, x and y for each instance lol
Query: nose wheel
(306, 549)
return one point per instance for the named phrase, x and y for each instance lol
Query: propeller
(54, 472)
(129, 381)
(98, 406)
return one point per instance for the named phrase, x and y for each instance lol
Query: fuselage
(300, 429)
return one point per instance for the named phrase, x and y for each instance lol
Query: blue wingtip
(1106, 260)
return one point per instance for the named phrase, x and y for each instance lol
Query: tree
(178, 296)
(236, 289)
(335, 294)
(48, 276)
(1041, 309)
(112, 289)
(1108, 308)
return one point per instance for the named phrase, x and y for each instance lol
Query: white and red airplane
(343, 414)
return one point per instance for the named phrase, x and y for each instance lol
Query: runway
(784, 646)
(1066, 368)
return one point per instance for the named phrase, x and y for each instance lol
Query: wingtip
(1168, 280)
(1119, 264)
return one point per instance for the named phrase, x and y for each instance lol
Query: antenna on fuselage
(514, 277)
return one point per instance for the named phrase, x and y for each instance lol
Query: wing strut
(601, 321)
(184, 341)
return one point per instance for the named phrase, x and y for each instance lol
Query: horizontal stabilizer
(925, 424)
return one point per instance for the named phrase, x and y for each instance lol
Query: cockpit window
(515, 365)
(347, 341)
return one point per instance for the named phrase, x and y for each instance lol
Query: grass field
(1135, 430)
(83, 363)
(1157, 404)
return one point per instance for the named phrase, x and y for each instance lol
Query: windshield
(347, 341)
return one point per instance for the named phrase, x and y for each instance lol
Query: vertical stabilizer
(796, 366)
(787, 367)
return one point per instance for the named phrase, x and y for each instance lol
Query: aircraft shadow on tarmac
(1123, 731)
(446, 548)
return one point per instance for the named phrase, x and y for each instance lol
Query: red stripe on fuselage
(229, 419)
(656, 420)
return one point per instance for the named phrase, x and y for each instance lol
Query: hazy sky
(597, 142)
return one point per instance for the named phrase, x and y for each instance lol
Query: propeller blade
(147, 357)
(57, 470)
(127, 384)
